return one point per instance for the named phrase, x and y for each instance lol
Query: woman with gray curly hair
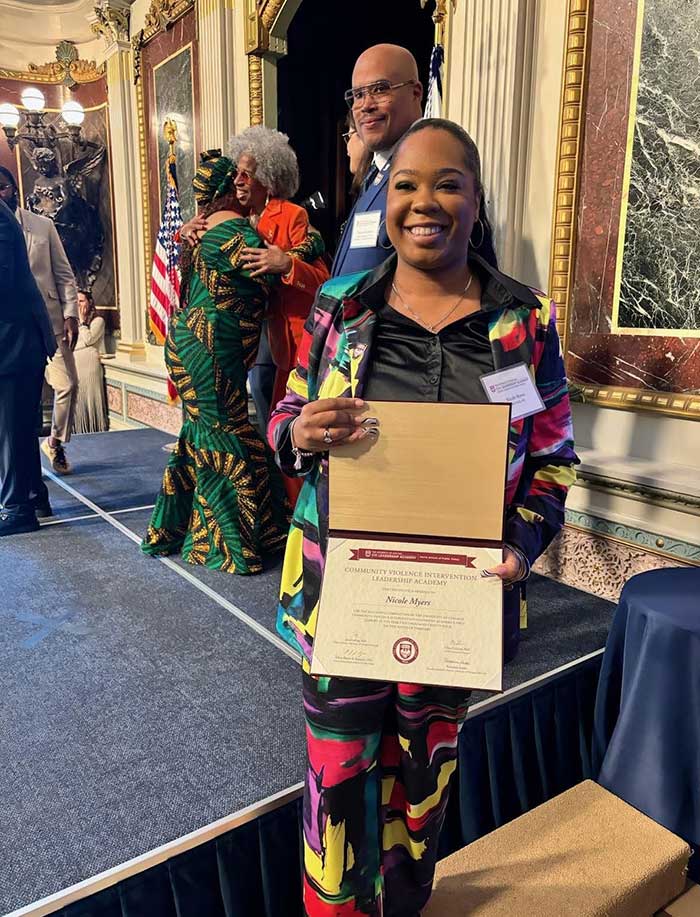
(267, 176)
(274, 162)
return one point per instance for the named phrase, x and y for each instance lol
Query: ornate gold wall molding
(145, 203)
(642, 493)
(161, 15)
(68, 68)
(257, 35)
(569, 149)
(255, 83)
(686, 406)
(269, 11)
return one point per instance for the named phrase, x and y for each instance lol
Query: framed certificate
(415, 517)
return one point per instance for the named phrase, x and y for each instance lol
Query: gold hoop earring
(483, 234)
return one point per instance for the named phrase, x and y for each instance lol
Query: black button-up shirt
(410, 363)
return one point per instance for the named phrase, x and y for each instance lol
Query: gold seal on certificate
(415, 519)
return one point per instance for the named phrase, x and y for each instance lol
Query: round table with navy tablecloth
(647, 716)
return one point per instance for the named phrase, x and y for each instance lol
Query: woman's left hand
(510, 569)
(268, 260)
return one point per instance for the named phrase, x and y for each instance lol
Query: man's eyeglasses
(4, 187)
(378, 92)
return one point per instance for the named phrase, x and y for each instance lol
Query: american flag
(165, 274)
(433, 105)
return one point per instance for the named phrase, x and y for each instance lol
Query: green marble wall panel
(660, 278)
(174, 99)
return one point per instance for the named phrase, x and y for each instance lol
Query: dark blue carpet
(64, 505)
(134, 709)
(118, 470)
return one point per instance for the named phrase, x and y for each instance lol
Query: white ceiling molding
(31, 29)
(49, 6)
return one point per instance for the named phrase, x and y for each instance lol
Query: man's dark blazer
(26, 335)
(349, 260)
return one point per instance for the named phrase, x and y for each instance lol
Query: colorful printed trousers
(380, 759)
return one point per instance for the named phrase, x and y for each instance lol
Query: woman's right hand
(331, 422)
(192, 229)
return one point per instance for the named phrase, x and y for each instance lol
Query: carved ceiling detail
(111, 20)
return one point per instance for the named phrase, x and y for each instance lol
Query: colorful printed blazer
(334, 360)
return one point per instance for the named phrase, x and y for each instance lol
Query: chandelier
(36, 131)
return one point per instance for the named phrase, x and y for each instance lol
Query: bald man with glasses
(385, 100)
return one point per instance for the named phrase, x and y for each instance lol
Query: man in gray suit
(26, 340)
(54, 277)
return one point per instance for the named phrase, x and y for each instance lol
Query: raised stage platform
(144, 699)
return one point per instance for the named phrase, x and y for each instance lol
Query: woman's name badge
(365, 229)
(513, 386)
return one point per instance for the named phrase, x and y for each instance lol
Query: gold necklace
(421, 321)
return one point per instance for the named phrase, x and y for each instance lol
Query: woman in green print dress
(222, 502)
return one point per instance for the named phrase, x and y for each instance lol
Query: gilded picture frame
(161, 16)
(609, 363)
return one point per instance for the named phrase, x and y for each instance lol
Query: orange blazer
(287, 225)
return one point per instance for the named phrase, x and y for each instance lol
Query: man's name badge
(513, 386)
(365, 229)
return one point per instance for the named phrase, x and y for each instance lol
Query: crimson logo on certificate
(405, 650)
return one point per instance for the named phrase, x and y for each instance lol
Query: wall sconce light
(9, 119)
(33, 99)
(35, 132)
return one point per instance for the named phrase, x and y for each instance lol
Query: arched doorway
(322, 49)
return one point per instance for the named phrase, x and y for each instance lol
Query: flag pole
(434, 99)
(170, 134)
(440, 18)
(165, 272)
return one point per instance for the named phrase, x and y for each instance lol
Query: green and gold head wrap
(213, 177)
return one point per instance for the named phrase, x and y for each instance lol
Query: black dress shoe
(17, 525)
(43, 510)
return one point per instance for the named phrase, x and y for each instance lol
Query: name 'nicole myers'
(403, 600)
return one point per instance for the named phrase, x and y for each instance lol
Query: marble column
(216, 24)
(111, 20)
(126, 178)
(489, 84)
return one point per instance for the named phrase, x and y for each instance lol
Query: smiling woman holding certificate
(435, 323)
